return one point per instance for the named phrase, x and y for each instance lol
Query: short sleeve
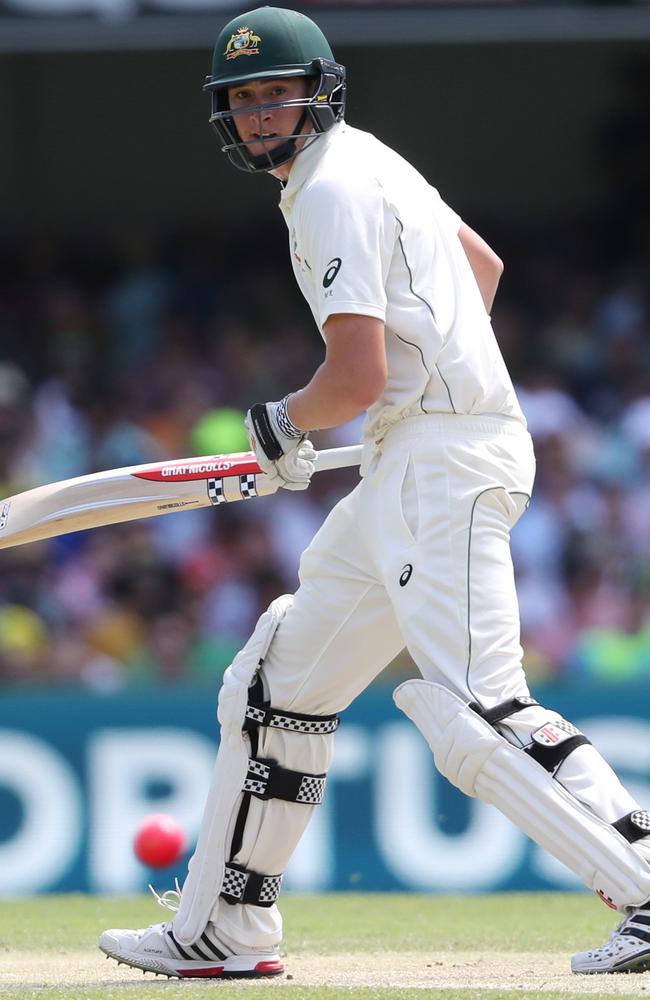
(451, 218)
(348, 236)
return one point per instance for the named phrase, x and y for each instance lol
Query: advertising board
(78, 772)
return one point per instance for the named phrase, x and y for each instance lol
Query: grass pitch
(389, 947)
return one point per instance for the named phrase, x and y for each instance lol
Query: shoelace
(171, 899)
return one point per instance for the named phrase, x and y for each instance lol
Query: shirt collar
(305, 163)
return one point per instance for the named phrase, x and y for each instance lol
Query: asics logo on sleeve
(405, 575)
(332, 270)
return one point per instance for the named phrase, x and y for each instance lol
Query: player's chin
(259, 148)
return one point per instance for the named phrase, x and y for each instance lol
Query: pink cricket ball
(159, 840)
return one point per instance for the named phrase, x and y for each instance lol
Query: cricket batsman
(417, 555)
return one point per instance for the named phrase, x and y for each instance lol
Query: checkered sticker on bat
(248, 486)
(215, 491)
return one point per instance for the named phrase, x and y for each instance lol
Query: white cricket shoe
(627, 950)
(155, 949)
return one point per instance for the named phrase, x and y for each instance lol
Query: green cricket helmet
(267, 44)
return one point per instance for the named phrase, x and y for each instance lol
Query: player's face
(256, 122)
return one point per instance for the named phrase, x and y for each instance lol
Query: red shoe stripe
(273, 966)
(214, 971)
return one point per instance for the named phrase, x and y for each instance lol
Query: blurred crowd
(146, 349)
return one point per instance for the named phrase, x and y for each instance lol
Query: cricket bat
(142, 491)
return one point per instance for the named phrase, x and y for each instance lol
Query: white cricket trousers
(417, 555)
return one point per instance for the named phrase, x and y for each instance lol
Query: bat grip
(338, 458)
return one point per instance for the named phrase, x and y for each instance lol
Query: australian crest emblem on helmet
(244, 42)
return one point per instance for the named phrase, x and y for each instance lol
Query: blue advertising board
(78, 772)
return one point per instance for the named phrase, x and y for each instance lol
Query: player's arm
(348, 225)
(485, 264)
(350, 379)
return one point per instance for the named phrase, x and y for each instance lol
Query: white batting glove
(284, 452)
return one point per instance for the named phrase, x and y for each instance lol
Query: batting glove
(284, 452)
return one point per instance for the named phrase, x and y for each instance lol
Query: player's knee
(280, 739)
(233, 696)
(462, 743)
(541, 733)
(260, 728)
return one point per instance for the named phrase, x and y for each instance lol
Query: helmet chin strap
(281, 153)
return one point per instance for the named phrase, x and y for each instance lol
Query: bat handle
(338, 458)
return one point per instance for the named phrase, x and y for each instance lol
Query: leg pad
(471, 754)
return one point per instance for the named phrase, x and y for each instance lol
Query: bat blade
(139, 491)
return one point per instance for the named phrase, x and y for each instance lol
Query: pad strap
(318, 725)
(267, 780)
(634, 826)
(551, 743)
(502, 711)
(563, 741)
(240, 885)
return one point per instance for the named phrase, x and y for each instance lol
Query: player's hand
(284, 452)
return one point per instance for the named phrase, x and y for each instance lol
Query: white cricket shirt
(369, 235)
